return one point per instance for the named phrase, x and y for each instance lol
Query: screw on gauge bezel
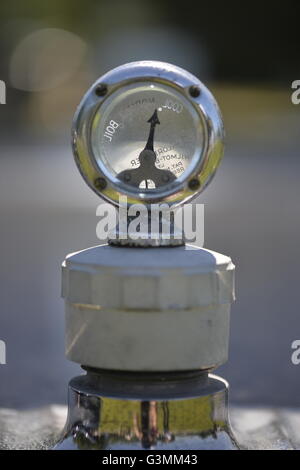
(177, 192)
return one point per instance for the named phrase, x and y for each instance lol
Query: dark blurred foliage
(245, 40)
(235, 42)
(254, 40)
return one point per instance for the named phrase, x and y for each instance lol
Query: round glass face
(147, 135)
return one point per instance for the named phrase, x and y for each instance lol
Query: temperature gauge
(150, 131)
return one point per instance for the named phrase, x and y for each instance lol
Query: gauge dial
(147, 135)
(150, 131)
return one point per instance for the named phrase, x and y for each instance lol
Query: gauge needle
(147, 158)
(153, 122)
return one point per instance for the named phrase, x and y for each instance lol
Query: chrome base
(130, 411)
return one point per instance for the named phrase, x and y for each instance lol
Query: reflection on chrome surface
(194, 416)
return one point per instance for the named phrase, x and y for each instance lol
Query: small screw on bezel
(101, 89)
(194, 91)
(194, 184)
(100, 183)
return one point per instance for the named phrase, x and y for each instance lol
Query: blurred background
(248, 55)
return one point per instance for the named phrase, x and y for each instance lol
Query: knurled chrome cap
(155, 309)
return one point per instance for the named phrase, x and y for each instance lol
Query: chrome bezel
(180, 190)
